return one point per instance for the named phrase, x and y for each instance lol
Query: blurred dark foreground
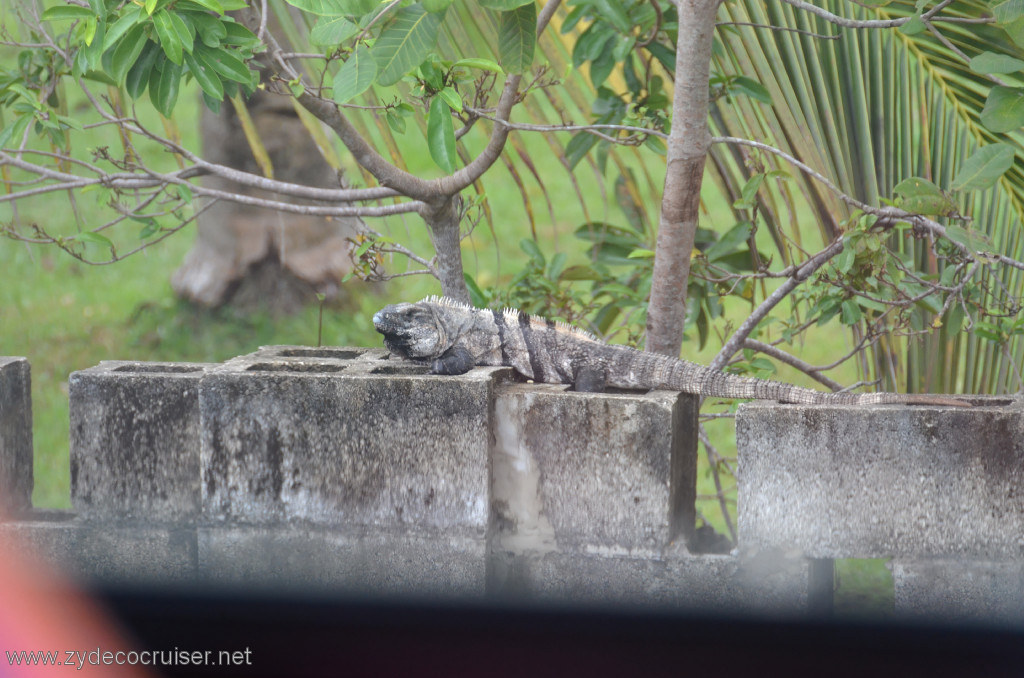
(285, 634)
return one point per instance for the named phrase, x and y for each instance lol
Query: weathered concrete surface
(106, 551)
(370, 561)
(15, 435)
(368, 442)
(877, 481)
(135, 440)
(768, 584)
(609, 474)
(945, 589)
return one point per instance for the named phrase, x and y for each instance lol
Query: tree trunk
(687, 150)
(447, 240)
(255, 258)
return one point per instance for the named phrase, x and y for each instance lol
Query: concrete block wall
(341, 468)
(937, 489)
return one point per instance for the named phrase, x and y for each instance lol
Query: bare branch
(792, 361)
(770, 27)
(592, 128)
(863, 23)
(801, 274)
(713, 460)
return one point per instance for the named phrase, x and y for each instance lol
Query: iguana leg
(589, 379)
(456, 360)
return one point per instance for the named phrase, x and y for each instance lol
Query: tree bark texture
(446, 238)
(687, 150)
(255, 258)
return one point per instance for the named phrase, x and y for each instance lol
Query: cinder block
(135, 441)
(106, 551)
(588, 474)
(353, 440)
(367, 561)
(15, 436)
(886, 480)
(959, 590)
(770, 584)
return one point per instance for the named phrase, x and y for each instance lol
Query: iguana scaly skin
(454, 337)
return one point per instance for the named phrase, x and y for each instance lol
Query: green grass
(864, 588)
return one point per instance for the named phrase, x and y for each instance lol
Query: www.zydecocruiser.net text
(78, 659)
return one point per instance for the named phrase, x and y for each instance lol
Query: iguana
(454, 337)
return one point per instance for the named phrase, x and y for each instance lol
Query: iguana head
(412, 330)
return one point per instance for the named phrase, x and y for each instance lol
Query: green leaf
(169, 40)
(1004, 109)
(748, 194)
(396, 121)
(206, 76)
(517, 38)
(355, 75)
(15, 130)
(149, 229)
(92, 238)
(582, 272)
(127, 52)
(226, 64)
(436, 6)
(578, 147)
(332, 30)
(185, 32)
(405, 43)
(361, 8)
(481, 64)
(1006, 12)
(452, 98)
(591, 43)
(921, 196)
(139, 74)
(212, 5)
(613, 12)
(89, 30)
(641, 253)
(530, 247)
(476, 295)
(1015, 29)
(602, 66)
(504, 5)
(65, 12)
(983, 169)
(441, 135)
(556, 266)
(237, 34)
(320, 7)
(972, 240)
(752, 88)
(730, 241)
(211, 30)
(914, 26)
(121, 26)
(987, 63)
(163, 87)
(431, 74)
(844, 260)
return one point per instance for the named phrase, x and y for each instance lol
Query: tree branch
(863, 23)
(772, 300)
(791, 360)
